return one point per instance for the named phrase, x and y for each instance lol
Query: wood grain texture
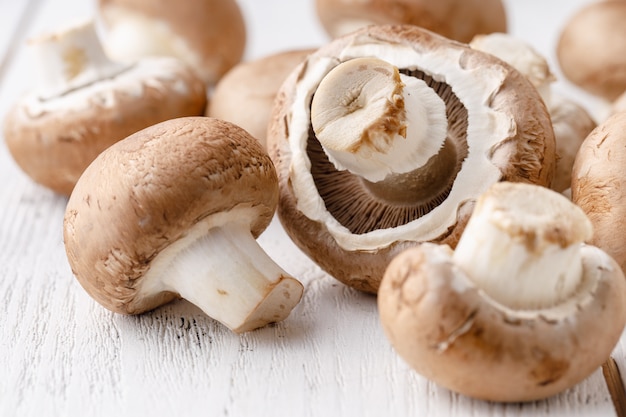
(61, 354)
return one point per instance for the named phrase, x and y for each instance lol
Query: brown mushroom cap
(591, 50)
(460, 20)
(146, 192)
(449, 331)
(53, 140)
(526, 153)
(245, 94)
(599, 181)
(211, 33)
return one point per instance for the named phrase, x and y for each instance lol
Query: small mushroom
(570, 121)
(384, 138)
(244, 96)
(85, 102)
(209, 35)
(591, 49)
(599, 181)
(520, 311)
(173, 211)
(455, 19)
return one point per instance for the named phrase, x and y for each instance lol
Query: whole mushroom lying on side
(208, 35)
(455, 19)
(173, 211)
(520, 311)
(384, 138)
(85, 102)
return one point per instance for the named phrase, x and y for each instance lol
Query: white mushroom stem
(71, 59)
(375, 122)
(522, 246)
(227, 274)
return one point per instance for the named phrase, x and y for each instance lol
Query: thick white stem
(230, 277)
(522, 246)
(71, 59)
(373, 121)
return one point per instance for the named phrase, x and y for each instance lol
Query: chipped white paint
(61, 354)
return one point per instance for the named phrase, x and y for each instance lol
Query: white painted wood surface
(61, 354)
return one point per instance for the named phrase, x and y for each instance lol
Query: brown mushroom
(209, 35)
(384, 138)
(513, 313)
(86, 102)
(599, 182)
(173, 210)
(460, 20)
(244, 96)
(591, 49)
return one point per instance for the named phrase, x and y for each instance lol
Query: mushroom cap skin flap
(496, 127)
(147, 200)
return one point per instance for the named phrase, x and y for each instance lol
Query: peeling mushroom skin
(209, 35)
(591, 49)
(54, 132)
(452, 328)
(455, 19)
(352, 224)
(598, 184)
(244, 96)
(173, 211)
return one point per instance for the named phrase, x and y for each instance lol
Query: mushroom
(85, 102)
(571, 122)
(591, 49)
(619, 104)
(173, 211)
(384, 138)
(209, 35)
(244, 96)
(520, 311)
(455, 19)
(598, 184)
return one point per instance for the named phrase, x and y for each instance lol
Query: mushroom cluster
(384, 138)
(173, 211)
(85, 102)
(512, 313)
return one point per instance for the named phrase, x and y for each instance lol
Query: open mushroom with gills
(245, 94)
(459, 20)
(599, 183)
(85, 102)
(208, 35)
(571, 122)
(384, 138)
(521, 310)
(173, 211)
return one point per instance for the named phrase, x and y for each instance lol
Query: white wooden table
(61, 354)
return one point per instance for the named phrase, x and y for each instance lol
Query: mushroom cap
(210, 35)
(591, 49)
(449, 331)
(145, 192)
(245, 94)
(460, 20)
(54, 140)
(525, 153)
(598, 184)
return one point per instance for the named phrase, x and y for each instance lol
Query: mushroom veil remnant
(85, 102)
(209, 35)
(521, 310)
(173, 211)
(384, 138)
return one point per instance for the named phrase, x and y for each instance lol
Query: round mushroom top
(210, 35)
(147, 191)
(497, 120)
